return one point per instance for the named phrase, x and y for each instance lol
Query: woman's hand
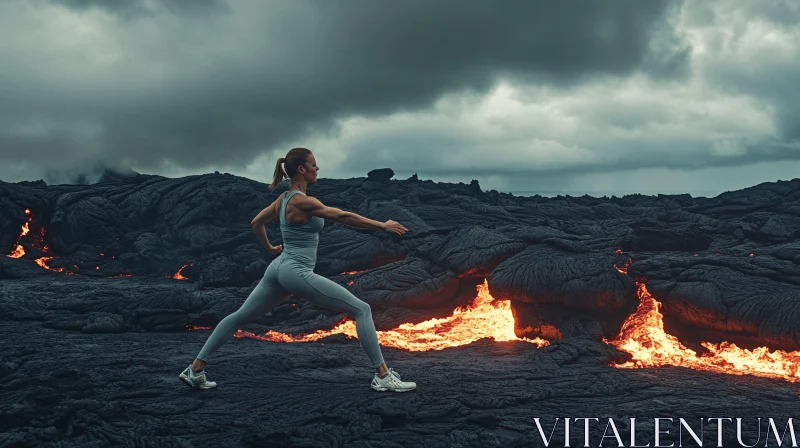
(275, 250)
(394, 227)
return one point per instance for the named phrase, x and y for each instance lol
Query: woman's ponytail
(278, 177)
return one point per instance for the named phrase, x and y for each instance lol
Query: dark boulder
(382, 175)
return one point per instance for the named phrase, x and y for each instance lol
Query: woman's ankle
(198, 365)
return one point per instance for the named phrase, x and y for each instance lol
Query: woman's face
(311, 169)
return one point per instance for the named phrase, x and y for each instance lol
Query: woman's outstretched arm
(314, 207)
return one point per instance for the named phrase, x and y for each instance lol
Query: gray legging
(284, 276)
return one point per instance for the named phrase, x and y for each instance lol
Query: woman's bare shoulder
(309, 203)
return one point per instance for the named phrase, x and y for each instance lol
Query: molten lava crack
(484, 317)
(643, 336)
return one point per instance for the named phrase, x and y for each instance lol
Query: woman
(301, 219)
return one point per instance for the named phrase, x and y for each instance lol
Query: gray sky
(571, 96)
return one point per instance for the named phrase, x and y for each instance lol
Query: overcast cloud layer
(598, 97)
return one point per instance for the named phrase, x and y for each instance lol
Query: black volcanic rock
(411, 283)
(382, 175)
(546, 274)
(85, 349)
(471, 251)
(386, 210)
(549, 283)
(649, 239)
(221, 271)
(122, 389)
(346, 249)
(378, 186)
(556, 254)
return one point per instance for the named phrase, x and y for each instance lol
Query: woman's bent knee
(363, 309)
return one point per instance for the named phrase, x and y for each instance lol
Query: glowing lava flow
(38, 243)
(178, 275)
(19, 251)
(43, 263)
(485, 317)
(643, 336)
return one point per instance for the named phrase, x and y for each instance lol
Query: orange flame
(38, 243)
(178, 276)
(19, 251)
(643, 336)
(25, 226)
(485, 317)
(43, 263)
(121, 275)
(195, 327)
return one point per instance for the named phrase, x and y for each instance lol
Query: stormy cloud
(515, 94)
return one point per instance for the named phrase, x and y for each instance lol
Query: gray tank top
(300, 241)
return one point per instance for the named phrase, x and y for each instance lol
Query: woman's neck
(298, 186)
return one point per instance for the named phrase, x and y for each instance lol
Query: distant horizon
(551, 192)
(601, 193)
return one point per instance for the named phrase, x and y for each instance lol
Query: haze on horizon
(535, 96)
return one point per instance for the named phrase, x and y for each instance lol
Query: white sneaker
(196, 379)
(391, 382)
